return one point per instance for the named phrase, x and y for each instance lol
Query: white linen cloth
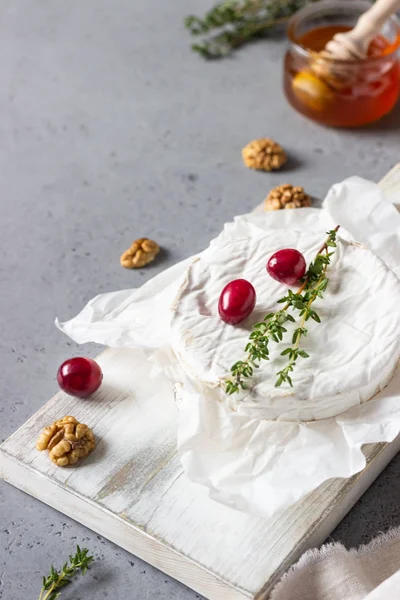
(258, 466)
(371, 572)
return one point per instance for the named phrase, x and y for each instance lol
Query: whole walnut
(264, 155)
(142, 252)
(286, 196)
(67, 441)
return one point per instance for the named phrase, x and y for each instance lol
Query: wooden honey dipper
(315, 86)
(354, 44)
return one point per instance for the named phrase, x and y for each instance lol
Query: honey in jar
(342, 93)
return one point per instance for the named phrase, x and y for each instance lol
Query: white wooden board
(132, 490)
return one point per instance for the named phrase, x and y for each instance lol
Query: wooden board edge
(113, 527)
(381, 455)
(392, 178)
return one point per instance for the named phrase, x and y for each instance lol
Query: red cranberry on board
(237, 301)
(79, 376)
(287, 266)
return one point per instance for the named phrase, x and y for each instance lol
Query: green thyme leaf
(287, 351)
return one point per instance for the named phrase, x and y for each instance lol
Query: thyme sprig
(272, 327)
(232, 23)
(56, 580)
(316, 285)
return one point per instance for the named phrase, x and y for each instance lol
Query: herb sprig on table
(272, 327)
(56, 580)
(232, 23)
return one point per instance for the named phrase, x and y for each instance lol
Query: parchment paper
(255, 465)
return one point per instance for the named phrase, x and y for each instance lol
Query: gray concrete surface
(112, 129)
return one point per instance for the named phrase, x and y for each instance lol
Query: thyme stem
(272, 326)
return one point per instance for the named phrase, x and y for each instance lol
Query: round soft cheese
(353, 352)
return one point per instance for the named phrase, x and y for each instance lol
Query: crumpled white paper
(254, 465)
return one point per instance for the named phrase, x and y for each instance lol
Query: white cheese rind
(353, 352)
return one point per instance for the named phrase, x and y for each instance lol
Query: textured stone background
(112, 129)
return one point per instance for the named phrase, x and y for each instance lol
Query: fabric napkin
(371, 572)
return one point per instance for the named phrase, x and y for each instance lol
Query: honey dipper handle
(370, 23)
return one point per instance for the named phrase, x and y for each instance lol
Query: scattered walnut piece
(264, 155)
(67, 441)
(140, 253)
(286, 196)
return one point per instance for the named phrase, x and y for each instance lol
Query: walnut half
(264, 155)
(287, 196)
(67, 441)
(140, 253)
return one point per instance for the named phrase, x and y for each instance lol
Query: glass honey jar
(337, 93)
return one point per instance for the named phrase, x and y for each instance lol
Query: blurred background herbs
(231, 24)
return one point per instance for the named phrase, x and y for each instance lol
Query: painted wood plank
(391, 185)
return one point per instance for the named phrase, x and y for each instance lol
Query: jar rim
(330, 5)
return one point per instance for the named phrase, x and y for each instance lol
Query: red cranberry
(236, 301)
(287, 266)
(79, 376)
